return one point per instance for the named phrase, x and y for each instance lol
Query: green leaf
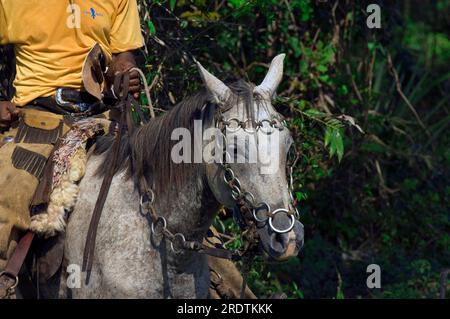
(301, 196)
(294, 43)
(151, 27)
(304, 68)
(322, 68)
(314, 113)
(306, 10)
(343, 90)
(236, 3)
(335, 142)
(184, 24)
(172, 4)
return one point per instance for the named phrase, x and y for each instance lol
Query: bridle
(246, 214)
(245, 200)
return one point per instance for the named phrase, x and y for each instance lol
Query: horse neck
(189, 208)
(189, 204)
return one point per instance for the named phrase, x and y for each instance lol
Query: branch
(403, 96)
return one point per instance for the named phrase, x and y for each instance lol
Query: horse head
(249, 173)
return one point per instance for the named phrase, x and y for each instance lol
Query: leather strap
(122, 84)
(88, 256)
(9, 277)
(219, 253)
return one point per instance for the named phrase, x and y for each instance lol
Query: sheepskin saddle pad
(57, 193)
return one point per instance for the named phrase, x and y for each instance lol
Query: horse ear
(217, 88)
(269, 85)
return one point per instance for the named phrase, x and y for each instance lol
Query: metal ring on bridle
(220, 121)
(237, 182)
(253, 130)
(291, 195)
(150, 201)
(141, 201)
(164, 221)
(291, 177)
(259, 205)
(249, 198)
(235, 192)
(276, 123)
(152, 196)
(228, 171)
(296, 213)
(238, 123)
(268, 132)
(145, 207)
(281, 231)
(176, 251)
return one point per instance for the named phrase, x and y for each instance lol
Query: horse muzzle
(282, 246)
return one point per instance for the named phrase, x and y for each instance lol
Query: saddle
(42, 158)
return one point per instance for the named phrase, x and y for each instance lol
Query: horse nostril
(279, 242)
(283, 238)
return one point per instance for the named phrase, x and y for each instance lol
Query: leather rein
(121, 84)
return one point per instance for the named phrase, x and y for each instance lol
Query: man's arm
(125, 37)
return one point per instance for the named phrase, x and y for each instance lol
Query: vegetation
(369, 109)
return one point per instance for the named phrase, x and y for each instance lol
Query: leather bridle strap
(121, 85)
(125, 118)
(9, 277)
(211, 251)
(88, 255)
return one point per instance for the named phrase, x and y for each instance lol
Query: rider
(52, 39)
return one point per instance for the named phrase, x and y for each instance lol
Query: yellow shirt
(52, 38)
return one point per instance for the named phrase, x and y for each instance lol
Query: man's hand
(8, 114)
(123, 62)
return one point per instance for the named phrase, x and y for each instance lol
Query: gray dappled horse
(129, 262)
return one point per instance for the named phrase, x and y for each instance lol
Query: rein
(121, 83)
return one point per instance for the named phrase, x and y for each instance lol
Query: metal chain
(245, 199)
(250, 126)
(290, 174)
(178, 242)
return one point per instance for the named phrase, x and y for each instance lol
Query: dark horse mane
(146, 153)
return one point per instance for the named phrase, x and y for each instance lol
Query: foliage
(369, 109)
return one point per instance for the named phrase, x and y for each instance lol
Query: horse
(131, 260)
